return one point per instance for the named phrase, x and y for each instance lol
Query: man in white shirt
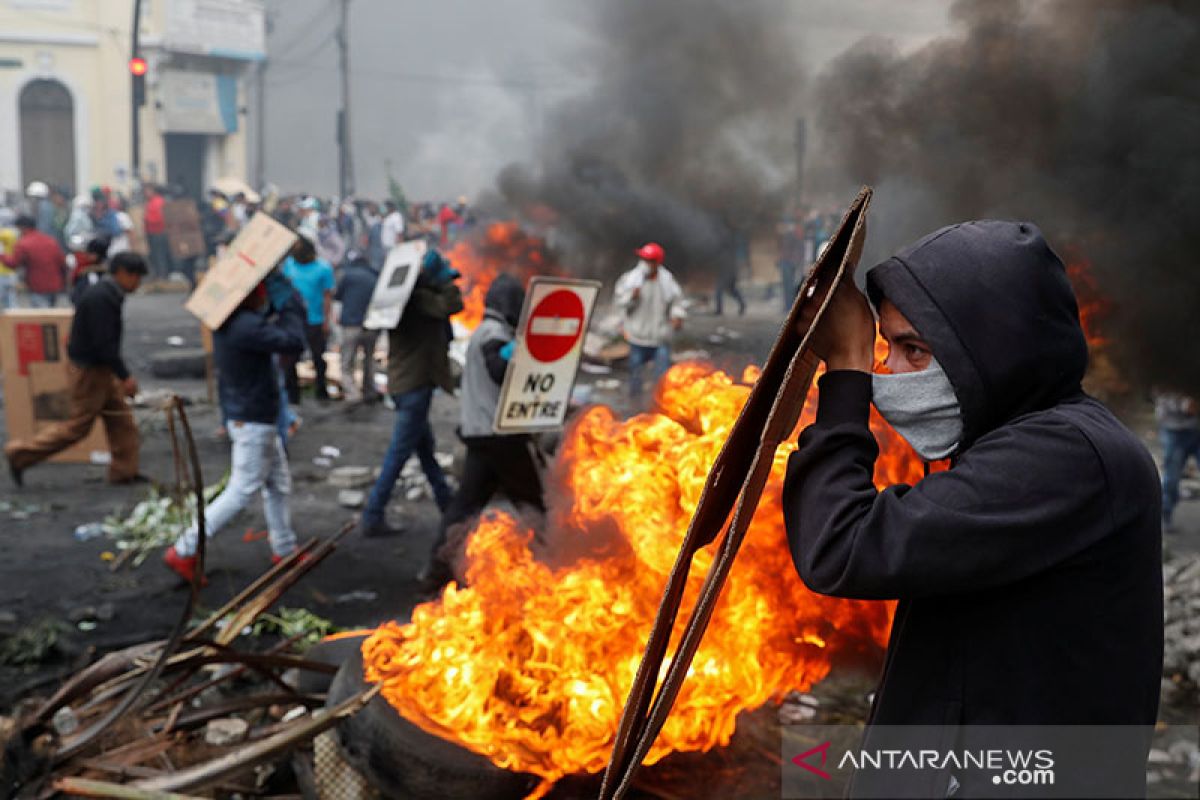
(391, 233)
(652, 306)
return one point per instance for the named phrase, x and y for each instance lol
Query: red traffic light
(137, 66)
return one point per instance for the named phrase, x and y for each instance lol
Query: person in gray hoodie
(494, 462)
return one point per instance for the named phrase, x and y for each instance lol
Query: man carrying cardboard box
(99, 379)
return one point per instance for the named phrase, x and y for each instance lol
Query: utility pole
(345, 162)
(136, 98)
(260, 118)
(260, 109)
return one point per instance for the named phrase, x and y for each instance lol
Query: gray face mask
(922, 407)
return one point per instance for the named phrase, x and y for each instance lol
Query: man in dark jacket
(1028, 574)
(418, 363)
(354, 293)
(505, 462)
(99, 379)
(271, 320)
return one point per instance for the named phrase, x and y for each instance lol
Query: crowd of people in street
(335, 263)
(337, 256)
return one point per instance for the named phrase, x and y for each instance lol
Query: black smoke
(686, 138)
(1080, 115)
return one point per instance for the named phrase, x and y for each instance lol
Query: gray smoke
(1080, 115)
(686, 138)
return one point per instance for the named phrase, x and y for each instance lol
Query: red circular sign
(554, 326)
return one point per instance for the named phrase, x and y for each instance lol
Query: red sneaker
(183, 566)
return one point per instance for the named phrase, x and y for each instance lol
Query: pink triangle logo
(802, 760)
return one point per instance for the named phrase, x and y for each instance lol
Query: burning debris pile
(530, 663)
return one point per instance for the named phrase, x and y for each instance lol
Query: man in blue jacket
(269, 321)
(1028, 574)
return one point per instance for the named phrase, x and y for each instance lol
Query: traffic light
(137, 68)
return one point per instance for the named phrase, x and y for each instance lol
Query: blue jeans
(43, 299)
(639, 355)
(1178, 447)
(412, 433)
(8, 290)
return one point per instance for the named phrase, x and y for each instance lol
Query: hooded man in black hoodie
(504, 462)
(1028, 574)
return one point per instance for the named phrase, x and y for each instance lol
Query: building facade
(66, 100)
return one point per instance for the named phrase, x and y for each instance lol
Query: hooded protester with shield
(506, 462)
(1028, 574)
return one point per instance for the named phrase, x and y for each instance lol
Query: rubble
(1181, 651)
(350, 477)
(225, 732)
(351, 498)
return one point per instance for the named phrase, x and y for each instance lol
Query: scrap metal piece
(734, 484)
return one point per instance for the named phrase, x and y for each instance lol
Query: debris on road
(156, 521)
(351, 477)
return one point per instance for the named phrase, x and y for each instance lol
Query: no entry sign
(537, 386)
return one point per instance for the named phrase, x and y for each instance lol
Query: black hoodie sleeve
(1021, 500)
(496, 365)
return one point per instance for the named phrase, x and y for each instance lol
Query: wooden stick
(214, 771)
(251, 590)
(83, 787)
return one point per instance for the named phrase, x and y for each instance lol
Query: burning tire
(403, 761)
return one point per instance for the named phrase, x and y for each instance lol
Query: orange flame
(1093, 305)
(501, 247)
(530, 664)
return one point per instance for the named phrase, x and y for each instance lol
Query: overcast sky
(451, 91)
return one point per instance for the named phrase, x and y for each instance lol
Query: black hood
(505, 297)
(994, 303)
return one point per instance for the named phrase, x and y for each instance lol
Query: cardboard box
(261, 245)
(33, 350)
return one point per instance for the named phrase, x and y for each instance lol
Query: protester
(354, 293)
(156, 232)
(313, 278)
(61, 212)
(652, 306)
(91, 264)
(505, 462)
(99, 380)
(8, 276)
(331, 247)
(41, 208)
(376, 253)
(417, 364)
(1179, 432)
(727, 285)
(41, 262)
(392, 230)
(448, 221)
(1029, 573)
(120, 218)
(79, 228)
(791, 259)
(269, 321)
(104, 214)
